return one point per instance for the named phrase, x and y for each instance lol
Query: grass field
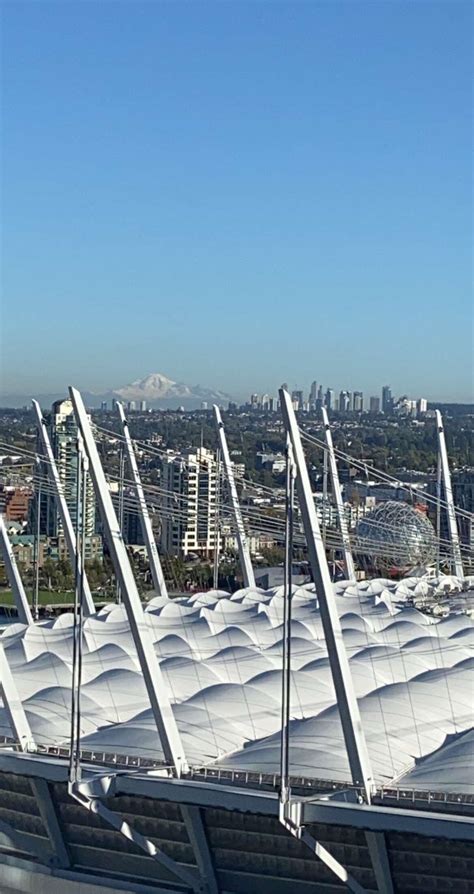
(46, 597)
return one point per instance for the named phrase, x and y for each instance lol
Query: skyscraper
(329, 399)
(374, 405)
(63, 436)
(387, 399)
(344, 401)
(297, 398)
(358, 402)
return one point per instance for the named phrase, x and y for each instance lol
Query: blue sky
(237, 194)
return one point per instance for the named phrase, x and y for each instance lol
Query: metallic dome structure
(396, 535)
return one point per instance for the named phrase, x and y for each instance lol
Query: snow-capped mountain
(158, 388)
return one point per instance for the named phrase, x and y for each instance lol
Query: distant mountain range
(156, 389)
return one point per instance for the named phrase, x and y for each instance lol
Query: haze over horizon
(236, 195)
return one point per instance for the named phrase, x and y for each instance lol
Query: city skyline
(209, 395)
(176, 192)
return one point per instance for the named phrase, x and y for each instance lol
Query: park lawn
(46, 597)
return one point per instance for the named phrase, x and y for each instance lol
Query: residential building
(297, 399)
(189, 523)
(14, 503)
(329, 399)
(63, 436)
(387, 399)
(374, 405)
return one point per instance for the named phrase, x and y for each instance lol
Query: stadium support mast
(244, 553)
(448, 496)
(336, 489)
(354, 738)
(16, 583)
(15, 711)
(153, 557)
(150, 667)
(63, 510)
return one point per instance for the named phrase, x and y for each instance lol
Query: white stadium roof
(221, 659)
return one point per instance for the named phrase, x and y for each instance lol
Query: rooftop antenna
(63, 510)
(336, 489)
(448, 496)
(166, 725)
(158, 577)
(244, 553)
(16, 583)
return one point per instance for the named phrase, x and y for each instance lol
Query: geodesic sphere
(395, 535)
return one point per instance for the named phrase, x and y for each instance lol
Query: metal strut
(244, 553)
(150, 667)
(290, 818)
(348, 708)
(153, 557)
(12, 702)
(16, 583)
(336, 489)
(95, 806)
(448, 496)
(63, 510)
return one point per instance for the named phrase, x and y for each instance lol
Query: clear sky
(237, 194)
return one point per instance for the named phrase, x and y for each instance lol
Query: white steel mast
(244, 553)
(159, 582)
(354, 738)
(68, 530)
(168, 732)
(448, 496)
(16, 583)
(336, 489)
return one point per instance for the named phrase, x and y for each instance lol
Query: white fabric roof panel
(221, 661)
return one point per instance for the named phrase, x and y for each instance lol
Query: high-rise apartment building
(189, 481)
(297, 399)
(329, 399)
(374, 405)
(344, 401)
(63, 436)
(358, 402)
(387, 399)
